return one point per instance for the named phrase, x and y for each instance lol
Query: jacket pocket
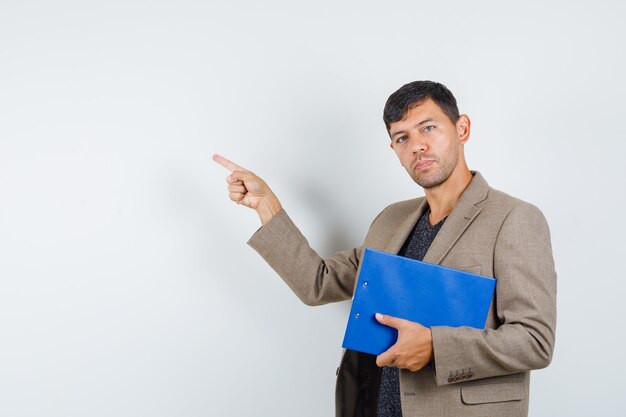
(492, 393)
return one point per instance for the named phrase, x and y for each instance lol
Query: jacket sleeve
(314, 280)
(525, 305)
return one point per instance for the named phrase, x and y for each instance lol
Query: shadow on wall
(335, 229)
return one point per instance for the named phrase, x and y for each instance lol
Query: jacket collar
(461, 216)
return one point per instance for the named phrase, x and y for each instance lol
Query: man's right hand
(244, 187)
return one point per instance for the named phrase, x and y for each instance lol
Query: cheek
(402, 156)
(439, 137)
(406, 160)
(443, 142)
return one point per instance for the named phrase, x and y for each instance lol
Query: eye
(401, 139)
(428, 128)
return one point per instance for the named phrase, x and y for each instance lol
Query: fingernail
(379, 316)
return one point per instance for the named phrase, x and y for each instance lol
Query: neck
(442, 198)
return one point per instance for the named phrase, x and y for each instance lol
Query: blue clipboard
(429, 294)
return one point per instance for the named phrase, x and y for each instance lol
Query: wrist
(268, 210)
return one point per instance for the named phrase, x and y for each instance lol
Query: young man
(461, 223)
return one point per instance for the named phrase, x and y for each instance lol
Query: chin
(431, 182)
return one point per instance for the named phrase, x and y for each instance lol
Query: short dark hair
(415, 93)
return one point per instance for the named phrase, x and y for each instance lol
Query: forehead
(427, 109)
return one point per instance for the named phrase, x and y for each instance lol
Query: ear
(463, 125)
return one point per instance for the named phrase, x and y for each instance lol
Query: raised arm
(313, 279)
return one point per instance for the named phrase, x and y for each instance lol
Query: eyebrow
(430, 119)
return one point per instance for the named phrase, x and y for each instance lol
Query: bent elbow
(311, 301)
(318, 297)
(310, 297)
(543, 351)
(543, 360)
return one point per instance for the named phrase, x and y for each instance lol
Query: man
(461, 223)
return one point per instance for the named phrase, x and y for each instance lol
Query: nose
(418, 144)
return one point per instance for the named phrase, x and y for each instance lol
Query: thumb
(239, 175)
(391, 321)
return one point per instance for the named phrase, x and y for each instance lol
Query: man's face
(428, 144)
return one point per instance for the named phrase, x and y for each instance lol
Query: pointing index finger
(229, 165)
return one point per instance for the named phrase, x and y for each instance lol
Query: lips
(423, 164)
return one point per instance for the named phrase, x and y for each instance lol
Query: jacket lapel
(396, 242)
(458, 220)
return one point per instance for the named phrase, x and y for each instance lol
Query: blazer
(475, 372)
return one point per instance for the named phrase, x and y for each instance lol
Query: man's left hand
(414, 347)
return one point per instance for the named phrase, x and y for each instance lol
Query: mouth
(423, 164)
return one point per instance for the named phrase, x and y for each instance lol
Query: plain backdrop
(126, 285)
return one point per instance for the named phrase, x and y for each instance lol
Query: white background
(126, 286)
